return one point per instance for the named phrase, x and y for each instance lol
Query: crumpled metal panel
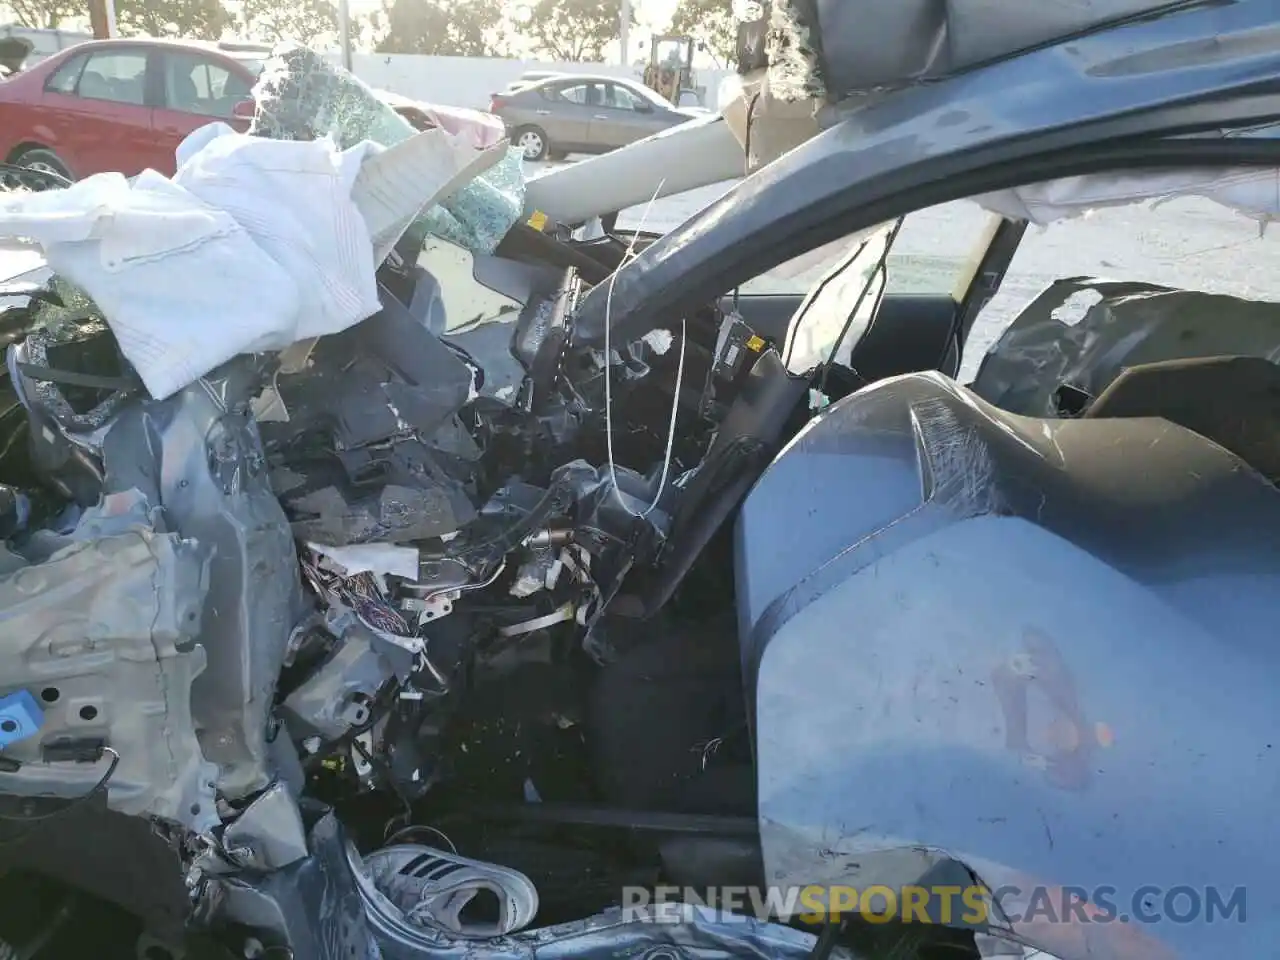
(670, 932)
(99, 625)
(198, 455)
(269, 834)
(301, 96)
(312, 907)
(1028, 653)
(1083, 333)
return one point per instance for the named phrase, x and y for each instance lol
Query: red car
(123, 105)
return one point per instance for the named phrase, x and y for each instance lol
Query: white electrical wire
(608, 391)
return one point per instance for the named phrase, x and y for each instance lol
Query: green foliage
(709, 22)
(574, 30)
(44, 14)
(445, 28)
(304, 21)
(189, 19)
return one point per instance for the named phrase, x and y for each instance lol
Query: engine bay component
(109, 612)
(339, 695)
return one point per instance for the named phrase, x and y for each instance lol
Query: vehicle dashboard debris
(388, 571)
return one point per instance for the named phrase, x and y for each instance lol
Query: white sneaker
(467, 898)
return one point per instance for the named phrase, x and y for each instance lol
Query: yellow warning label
(538, 220)
(755, 344)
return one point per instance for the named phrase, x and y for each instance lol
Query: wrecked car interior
(525, 562)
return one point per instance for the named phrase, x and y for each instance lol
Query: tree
(301, 20)
(710, 22)
(442, 28)
(574, 30)
(44, 14)
(192, 19)
(367, 31)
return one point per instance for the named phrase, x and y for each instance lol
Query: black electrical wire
(826, 941)
(71, 804)
(746, 139)
(469, 360)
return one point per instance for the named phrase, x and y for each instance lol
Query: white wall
(44, 43)
(456, 81)
(469, 82)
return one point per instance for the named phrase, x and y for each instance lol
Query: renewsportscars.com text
(964, 906)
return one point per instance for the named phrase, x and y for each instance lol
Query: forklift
(669, 72)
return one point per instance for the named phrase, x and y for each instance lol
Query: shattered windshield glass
(301, 96)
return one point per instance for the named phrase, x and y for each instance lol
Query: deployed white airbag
(253, 245)
(1251, 191)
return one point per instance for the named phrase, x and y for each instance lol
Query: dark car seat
(185, 95)
(94, 86)
(1233, 401)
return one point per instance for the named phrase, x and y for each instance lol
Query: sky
(652, 16)
(650, 13)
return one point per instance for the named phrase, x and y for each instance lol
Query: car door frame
(172, 126)
(560, 103)
(613, 127)
(879, 163)
(83, 118)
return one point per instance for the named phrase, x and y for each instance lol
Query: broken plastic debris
(659, 341)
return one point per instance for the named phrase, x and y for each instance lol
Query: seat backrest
(94, 85)
(185, 95)
(1233, 401)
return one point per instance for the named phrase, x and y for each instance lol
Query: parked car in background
(534, 76)
(575, 113)
(123, 105)
(528, 79)
(482, 130)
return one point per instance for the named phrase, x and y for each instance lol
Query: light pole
(624, 33)
(344, 32)
(102, 18)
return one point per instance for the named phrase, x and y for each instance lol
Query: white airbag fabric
(253, 245)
